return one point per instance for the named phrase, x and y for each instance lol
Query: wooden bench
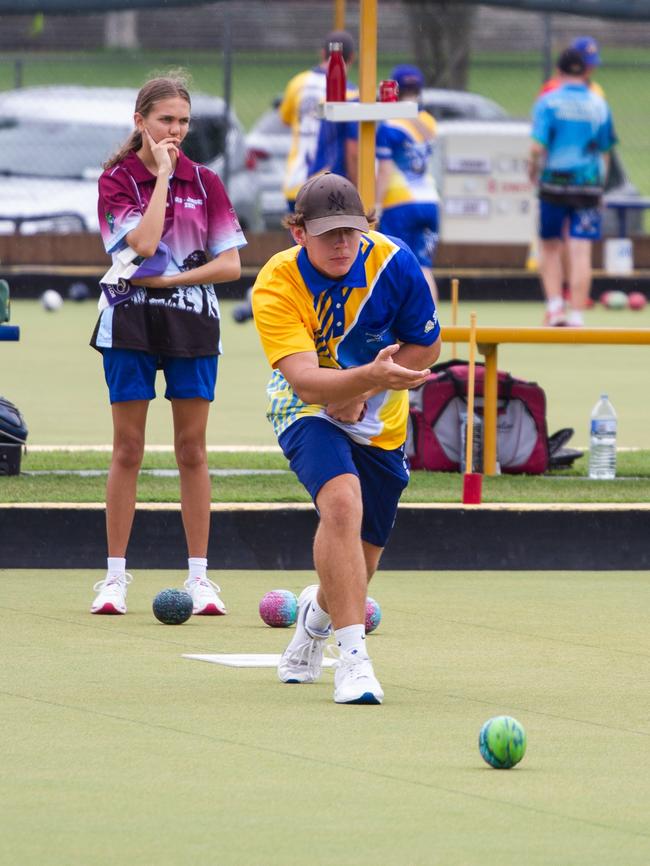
(488, 340)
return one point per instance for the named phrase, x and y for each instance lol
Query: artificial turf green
(56, 378)
(119, 751)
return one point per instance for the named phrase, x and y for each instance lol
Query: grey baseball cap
(329, 201)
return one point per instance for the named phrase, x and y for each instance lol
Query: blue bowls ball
(172, 606)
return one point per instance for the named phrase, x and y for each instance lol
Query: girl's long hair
(156, 89)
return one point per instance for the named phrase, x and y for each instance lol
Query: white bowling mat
(246, 660)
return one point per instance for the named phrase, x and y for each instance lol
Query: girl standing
(155, 202)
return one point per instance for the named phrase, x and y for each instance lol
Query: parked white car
(53, 141)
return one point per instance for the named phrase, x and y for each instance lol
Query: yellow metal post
(367, 93)
(469, 430)
(339, 14)
(454, 310)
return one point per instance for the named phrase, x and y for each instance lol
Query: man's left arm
(411, 322)
(415, 357)
(536, 160)
(409, 355)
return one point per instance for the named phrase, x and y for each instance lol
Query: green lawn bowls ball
(172, 606)
(502, 742)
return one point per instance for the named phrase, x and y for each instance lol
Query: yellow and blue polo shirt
(299, 110)
(409, 143)
(383, 299)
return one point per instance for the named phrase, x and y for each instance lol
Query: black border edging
(432, 539)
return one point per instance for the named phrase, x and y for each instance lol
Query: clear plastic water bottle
(602, 441)
(477, 443)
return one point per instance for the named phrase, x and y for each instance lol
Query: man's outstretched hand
(385, 373)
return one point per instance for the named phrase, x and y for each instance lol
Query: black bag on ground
(13, 435)
(12, 423)
(523, 445)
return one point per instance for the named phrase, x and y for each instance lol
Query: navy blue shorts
(131, 375)
(417, 225)
(319, 451)
(583, 223)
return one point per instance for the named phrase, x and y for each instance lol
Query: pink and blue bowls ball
(279, 608)
(172, 606)
(373, 615)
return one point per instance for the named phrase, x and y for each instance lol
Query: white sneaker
(111, 594)
(556, 319)
(575, 319)
(354, 679)
(302, 660)
(205, 598)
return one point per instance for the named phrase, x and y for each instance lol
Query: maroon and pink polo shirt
(200, 222)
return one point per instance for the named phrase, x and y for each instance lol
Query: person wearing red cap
(348, 324)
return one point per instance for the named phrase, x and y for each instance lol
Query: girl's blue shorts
(318, 451)
(131, 375)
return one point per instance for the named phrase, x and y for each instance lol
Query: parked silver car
(269, 140)
(53, 141)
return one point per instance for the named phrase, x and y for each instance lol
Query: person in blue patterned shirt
(573, 134)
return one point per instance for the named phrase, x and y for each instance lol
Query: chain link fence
(248, 55)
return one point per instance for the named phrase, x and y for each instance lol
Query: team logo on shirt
(235, 221)
(430, 325)
(189, 203)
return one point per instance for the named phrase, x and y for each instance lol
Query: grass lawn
(267, 478)
(56, 380)
(119, 751)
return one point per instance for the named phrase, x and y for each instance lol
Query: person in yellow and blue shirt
(407, 197)
(299, 110)
(348, 324)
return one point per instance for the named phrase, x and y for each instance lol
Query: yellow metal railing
(488, 340)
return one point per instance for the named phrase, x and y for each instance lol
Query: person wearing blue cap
(588, 49)
(407, 198)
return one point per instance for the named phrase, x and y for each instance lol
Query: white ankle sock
(317, 619)
(116, 565)
(555, 305)
(352, 638)
(198, 566)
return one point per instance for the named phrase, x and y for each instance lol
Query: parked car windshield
(54, 149)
